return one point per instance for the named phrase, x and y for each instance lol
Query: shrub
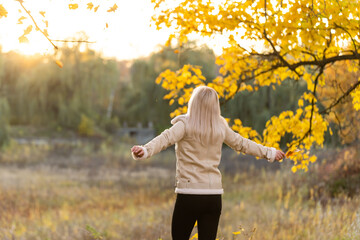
(86, 126)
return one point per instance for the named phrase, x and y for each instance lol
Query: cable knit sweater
(196, 163)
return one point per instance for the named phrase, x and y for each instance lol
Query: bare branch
(72, 41)
(37, 27)
(45, 35)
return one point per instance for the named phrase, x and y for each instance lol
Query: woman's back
(196, 162)
(198, 137)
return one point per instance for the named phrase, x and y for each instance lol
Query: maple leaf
(113, 8)
(42, 13)
(21, 19)
(73, 6)
(90, 5)
(3, 12)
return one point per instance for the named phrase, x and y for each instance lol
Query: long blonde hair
(205, 122)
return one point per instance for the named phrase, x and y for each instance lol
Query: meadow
(94, 190)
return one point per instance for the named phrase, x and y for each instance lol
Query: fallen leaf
(42, 13)
(59, 63)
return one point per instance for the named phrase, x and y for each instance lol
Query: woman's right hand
(137, 151)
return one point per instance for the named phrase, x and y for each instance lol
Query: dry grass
(88, 191)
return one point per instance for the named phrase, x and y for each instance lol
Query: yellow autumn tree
(270, 41)
(338, 78)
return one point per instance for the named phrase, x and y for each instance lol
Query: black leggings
(205, 209)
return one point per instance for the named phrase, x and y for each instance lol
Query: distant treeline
(93, 93)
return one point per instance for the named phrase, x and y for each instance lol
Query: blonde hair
(205, 122)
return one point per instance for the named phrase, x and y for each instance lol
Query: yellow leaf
(113, 8)
(291, 153)
(194, 237)
(176, 51)
(90, 5)
(301, 102)
(21, 19)
(107, 25)
(313, 159)
(171, 102)
(59, 63)
(28, 30)
(96, 8)
(294, 169)
(42, 13)
(46, 32)
(237, 233)
(73, 6)
(23, 39)
(3, 12)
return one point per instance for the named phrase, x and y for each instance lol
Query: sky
(129, 34)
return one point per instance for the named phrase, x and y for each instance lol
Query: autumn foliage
(308, 41)
(268, 42)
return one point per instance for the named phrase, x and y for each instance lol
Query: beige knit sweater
(196, 163)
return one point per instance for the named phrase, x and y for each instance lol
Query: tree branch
(308, 132)
(336, 102)
(313, 100)
(37, 27)
(45, 35)
(277, 54)
(73, 41)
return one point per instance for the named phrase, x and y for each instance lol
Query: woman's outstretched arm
(241, 144)
(164, 140)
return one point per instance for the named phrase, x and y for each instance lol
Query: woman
(198, 137)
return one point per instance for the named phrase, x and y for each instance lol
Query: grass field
(85, 190)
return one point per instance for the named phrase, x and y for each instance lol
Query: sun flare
(120, 34)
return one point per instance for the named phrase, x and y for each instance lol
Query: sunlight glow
(128, 35)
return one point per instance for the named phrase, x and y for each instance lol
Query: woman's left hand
(279, 155)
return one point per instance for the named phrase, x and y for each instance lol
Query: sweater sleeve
(244, 145)
(167, 138)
